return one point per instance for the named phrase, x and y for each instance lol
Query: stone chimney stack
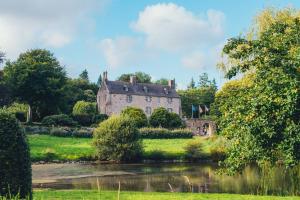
(133, 80)
(104, 76)
(172, 84)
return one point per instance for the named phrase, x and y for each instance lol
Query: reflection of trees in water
(201, 178)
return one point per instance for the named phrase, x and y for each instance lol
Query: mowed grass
(49, 148)
(108, 195)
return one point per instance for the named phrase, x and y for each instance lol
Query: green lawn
(108, 195)
(47, 148)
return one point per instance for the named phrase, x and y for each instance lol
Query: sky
(177, 39)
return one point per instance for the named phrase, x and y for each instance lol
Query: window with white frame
(148, 98)
(129, 98)
(148, 110)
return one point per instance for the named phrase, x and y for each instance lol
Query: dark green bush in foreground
(15, 164)
(117, 139)
(59, 120)
(161, 117)
(163, 133)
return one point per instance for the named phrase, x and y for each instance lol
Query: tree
(5, 93)
(1, 57)
(84, 75)
(161, 117)
(117, 139)
(84, 108)
(192, 84)
(140, 76)
(99, 82)
(137, 115)
(162, 81)
(36, 78)
(260, 113)
(15, 168)
(203, 80)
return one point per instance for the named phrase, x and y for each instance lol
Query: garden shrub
(59, 120)
(15, 164)
(161, 117)
(137, 115)
(117, 139)
(83, 112)
(61, 132)
(84, 108)
(81, 133)
(163, 133)
(20, 110)
(99, 118)
(194, 151)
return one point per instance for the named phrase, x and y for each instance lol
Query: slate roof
(119, 87)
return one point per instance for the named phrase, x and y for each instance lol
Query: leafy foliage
(163, 133)
(19, 110)
(161, 117)
(141, 77)
(59, 120)
(36, 78)
(84, 75)
(84, 108)
(15, 168)
(162, 81)
(117, 139)
(137, 115)
(260, 112)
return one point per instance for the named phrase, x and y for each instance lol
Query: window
(145, 89)
(148, 99)
(148, 110)
(169, 100)
(166, 91)
(158, 99)
(129, 98)
(125, 88)
(170, 109)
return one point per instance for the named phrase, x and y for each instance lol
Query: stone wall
(201, 127)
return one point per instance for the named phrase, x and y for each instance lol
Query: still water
(165, 178)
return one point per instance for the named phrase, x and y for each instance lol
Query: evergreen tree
(192, 84)
(99, 80)
(84, 75)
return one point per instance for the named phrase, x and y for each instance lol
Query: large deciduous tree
(140, 76)
(36, 78)
(260, 112)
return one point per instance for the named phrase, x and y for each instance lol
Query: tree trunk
(29, 115)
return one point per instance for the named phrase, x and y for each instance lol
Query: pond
(182, 177)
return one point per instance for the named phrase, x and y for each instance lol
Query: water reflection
(166, 177)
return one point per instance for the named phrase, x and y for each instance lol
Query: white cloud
(194, 60)
(34, 23)
(120, 51)
(171, 27)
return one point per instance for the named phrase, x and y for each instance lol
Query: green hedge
(163, 133)
(59, 120)
(15, 164)
(66, 132)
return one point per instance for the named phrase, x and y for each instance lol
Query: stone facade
(201, 127)
(114, 96)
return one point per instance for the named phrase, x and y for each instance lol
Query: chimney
(104, 76)
(133, 80)
(172, 84)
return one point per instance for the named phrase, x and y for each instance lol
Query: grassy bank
(49, 148)
(108, 195)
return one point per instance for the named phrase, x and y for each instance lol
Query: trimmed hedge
(15, 164)
(163, 133)
(67, 132)
(59, 120)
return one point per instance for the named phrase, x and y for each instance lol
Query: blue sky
(170, 39)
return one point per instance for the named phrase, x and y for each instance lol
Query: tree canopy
(259, 113)
(36, 78)
(140, 76)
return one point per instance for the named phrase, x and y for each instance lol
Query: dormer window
(166, 91)
(129, 98)
(125, 87)
(145, 89)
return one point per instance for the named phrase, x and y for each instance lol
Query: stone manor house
(114, 96)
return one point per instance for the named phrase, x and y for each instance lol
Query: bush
(84, 120)
(61, 132)
(66, 132)
(84, 108)
(194, 152)
(99, 118)
(117, 139)
(15, 167)
(137, 115)
(162, 133)
(59, 120)
(19, 110)
(82, 133)
(161, 117)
